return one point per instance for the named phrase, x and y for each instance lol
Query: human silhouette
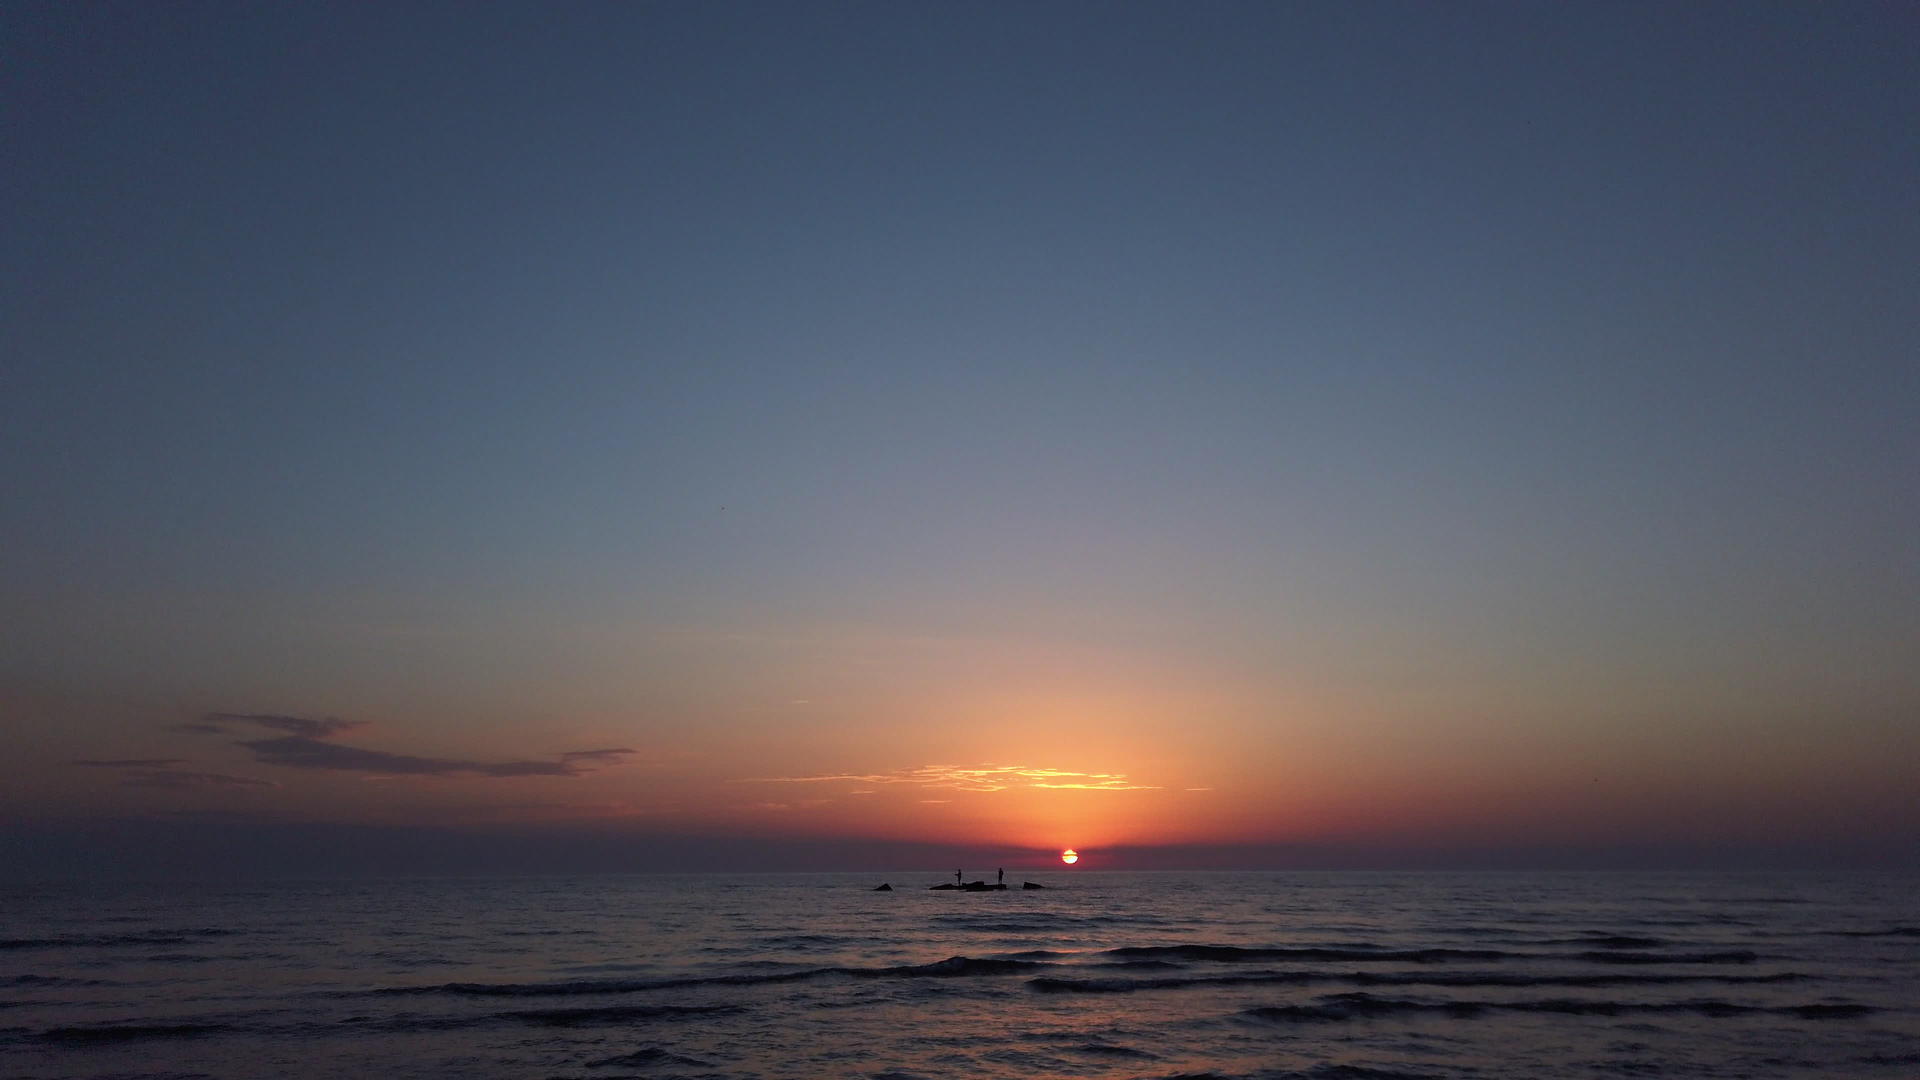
(956, 877)
(1003, 875)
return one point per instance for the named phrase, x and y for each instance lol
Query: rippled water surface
(1099, 975)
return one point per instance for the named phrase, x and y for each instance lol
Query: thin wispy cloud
(176, 778)
(301, 752)
(304, 726)
(602, 757)
(309, 745)
(988, 777)
(160, 773)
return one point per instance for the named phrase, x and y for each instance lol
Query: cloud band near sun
(308, 744)
(987, 777)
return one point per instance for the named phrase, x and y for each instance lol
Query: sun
(1069, 856)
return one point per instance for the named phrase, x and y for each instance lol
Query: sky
(730, 436)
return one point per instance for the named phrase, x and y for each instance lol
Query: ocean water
(1319, 975)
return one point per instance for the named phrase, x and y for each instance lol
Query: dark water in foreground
(1328, 976)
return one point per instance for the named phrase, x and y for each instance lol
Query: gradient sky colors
(1246, 434)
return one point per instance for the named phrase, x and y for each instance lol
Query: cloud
(175, 778)
(303, 752)
(987, 777)
(307, 745)
(303, 726)
(129, 763)
(600, 757)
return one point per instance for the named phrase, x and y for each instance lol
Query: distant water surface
(1356, 976)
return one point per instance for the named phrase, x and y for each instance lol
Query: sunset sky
(735, 435)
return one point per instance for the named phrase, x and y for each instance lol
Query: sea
(1329, 976)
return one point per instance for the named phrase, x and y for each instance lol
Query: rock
(883, 887)
(1031, 885)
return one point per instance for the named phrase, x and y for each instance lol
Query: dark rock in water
(883, 887)
(1031, 885)
(981, 886)
(937, 888)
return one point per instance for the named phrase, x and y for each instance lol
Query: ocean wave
(607, 1014)
(1316, 1073)
(1239, 953)
(1017, 922)
(1731, 956)
(586, 1016)
(577, 987)
(1700, 920)
(1597, 940)
(96, 941)
(1065, 985)
(1047, 927)
(1111, 1050)
(951, 967)
(1890, 1059)
(117, 1033)
(1360, 1006)
(803, 942)
(53, 980)
(589, 1016)
(649, 1057)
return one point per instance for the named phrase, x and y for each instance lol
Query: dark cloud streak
(302, 752)
(175, 778)
(602, 757)
(307, 745)
(303, 726)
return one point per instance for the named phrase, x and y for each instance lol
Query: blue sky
(1144, 382)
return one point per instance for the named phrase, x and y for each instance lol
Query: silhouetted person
(956, 877)
(1003, 875)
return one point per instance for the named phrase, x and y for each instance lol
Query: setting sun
(1069, 856)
